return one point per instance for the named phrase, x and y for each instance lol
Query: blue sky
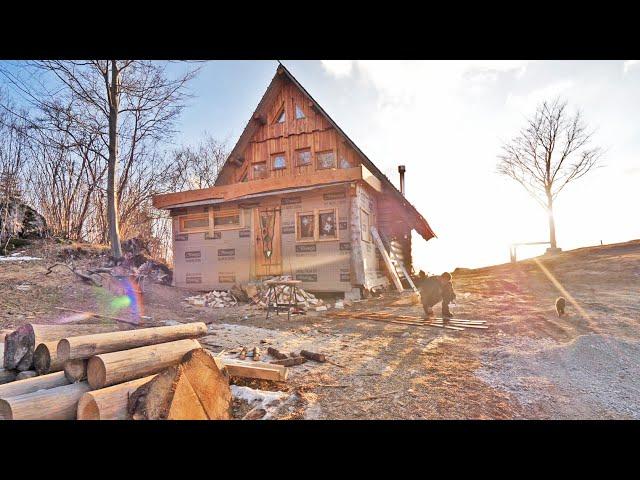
(445, 120)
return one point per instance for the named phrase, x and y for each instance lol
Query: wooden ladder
(390, 264)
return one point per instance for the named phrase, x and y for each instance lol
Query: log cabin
(295, 197)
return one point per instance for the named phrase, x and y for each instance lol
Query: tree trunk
(109, 403)
(552, 223)
(89, 345)
(112, 201)
(117, 367)
(193, 390)
(20, 344)
(59, 403)
(43, 382)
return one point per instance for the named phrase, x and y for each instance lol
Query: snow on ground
(264, 399)
(12, 258)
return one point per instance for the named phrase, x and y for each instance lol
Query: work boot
(428, 312)
(446, 313)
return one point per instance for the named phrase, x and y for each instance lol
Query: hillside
(528, 364)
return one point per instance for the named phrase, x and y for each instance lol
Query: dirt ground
(528, 364)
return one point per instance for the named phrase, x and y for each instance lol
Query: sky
(446, 121)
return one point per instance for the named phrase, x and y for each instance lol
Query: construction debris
(213, 299)
(277, 354)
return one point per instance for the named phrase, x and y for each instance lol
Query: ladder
(389, 263)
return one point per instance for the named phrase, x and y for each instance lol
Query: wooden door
(268, 245)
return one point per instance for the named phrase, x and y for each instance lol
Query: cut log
(76, 370)
(43, 382)
(277, 354)
(109, 403)
(86, 346)
(257, 370)
(60, 403)
(195, 389)
(7, 376)
(117, 367)
(290, 362)
(21, 343)
(45, 358)
(26, 374)
(318, 357)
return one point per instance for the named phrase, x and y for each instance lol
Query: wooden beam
(259, 370)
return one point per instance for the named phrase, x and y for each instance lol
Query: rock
(338, 305)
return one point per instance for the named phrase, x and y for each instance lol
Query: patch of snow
(18, 259)
(267, 400)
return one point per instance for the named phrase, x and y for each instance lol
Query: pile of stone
(213, 299)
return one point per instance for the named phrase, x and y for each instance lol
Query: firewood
(255, 370)
(46, 359)
(7, 376)
(277, 354)
(21, 343)
(195, 389)
(86, 346)
(76, 370)
(29, 385)
(58, 403)
(318, 357)
(290, 362)
(26, 374)
(117, 367)
(109, 403)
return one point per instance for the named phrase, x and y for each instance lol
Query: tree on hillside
(125, 104)
(551, 151)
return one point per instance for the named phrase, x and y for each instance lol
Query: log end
(63, 350)
(96, 373)
(88, 408)
(5, 410)
(42, 359)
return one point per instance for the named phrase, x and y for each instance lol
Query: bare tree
(124, 104)
(551, 151)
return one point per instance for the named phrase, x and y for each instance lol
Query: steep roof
(419, 223)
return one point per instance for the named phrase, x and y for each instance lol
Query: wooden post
(88, 345)
(116, 367)
(109, 403)
(58, 403)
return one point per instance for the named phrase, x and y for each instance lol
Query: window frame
(297, 226)
(296, 109)
(266, 170)
(227, 213)
(300, 150)
(276, 155)
(333, 210)
(282, 112)
(194, 216)
(335, 159)
(316, 225)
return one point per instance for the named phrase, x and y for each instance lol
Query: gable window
(303, 157)
(299, 113)
(327, 224)
(305, 226)
(326, 160)
(365, 226)
(194, 223)
(281, 116)
(226, 220)
(260, 170)
(278, 161)
(344, 163)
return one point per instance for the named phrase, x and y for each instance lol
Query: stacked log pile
(81, 372)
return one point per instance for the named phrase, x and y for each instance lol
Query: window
(278, 161)
(226, 220)
(299, 113)
(327, 225)
(194, 223)
(305, 226)
(365, 226)
(281, 117)
(344, 163)
(326, 160)
(260, 170)
(303, 157)
(317, 226)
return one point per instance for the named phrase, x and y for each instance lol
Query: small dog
(560, 304)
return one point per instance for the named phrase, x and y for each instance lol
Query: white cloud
(527, 103)
(629, 64)
(339, 68)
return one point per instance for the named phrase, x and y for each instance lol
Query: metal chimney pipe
(401, 171)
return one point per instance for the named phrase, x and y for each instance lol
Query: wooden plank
(406, 275)
(260, 370)
(387, 261)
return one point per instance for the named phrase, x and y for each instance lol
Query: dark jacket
(432, 291)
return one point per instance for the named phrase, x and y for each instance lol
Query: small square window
(344, 163)
(299, 113)
(303, 157)
(326, 160)
(279, 162)
(327, 224)
(305, 226)
(260, 170)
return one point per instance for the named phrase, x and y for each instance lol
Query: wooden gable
(281, 148)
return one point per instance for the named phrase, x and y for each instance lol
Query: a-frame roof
(419, 224)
